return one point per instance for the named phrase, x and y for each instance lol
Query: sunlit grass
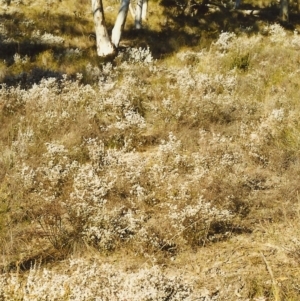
(169, 172)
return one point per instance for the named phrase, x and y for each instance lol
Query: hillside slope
(167, 173)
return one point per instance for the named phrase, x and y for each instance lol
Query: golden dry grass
(178, 173)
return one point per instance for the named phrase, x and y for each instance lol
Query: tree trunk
(140, 13)
(284, 10)
(104, 45)
(120, 22)
(237, 4)
(132, 11)
(144, 10)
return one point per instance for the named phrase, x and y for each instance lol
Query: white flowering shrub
(225, 41)
(210, 97)
(84, 281)
(295, 41)
(71, 52)
(277, 33)
(189, 56)
(200, 222)
(136, 56)
(46, 38)
(171, 163)
(19, 60)
(85, 215)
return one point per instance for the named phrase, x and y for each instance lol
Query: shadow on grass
(176, 31)
(19, 39)
(199, 31)
(27, 79)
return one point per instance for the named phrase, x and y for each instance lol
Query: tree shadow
(176, 30)
(19, 33)
(200, 29)
(26, 37)
(29, 78)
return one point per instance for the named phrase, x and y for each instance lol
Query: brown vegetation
(168, 173)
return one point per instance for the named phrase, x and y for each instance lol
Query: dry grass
(168, 173)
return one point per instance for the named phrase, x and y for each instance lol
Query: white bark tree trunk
(132, 11)
(237, 4)
(144, 10)
(120, 22)
(284, 10)
(140, 13)
(104, 45)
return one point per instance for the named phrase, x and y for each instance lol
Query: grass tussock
(146, 177)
